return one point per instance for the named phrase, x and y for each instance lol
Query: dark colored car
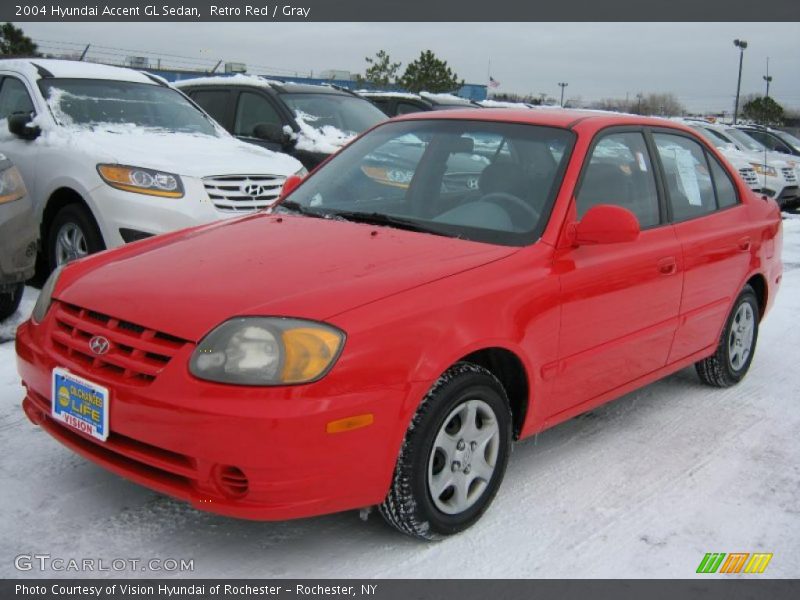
(18, 234)
(775, 140)
(403, 103)
(309, 122)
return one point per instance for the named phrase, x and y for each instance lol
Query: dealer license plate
(81, 404)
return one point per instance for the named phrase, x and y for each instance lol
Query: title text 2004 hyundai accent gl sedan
(384, 335)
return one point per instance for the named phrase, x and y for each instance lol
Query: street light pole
(768, 77)
(562, 85)
(741, 44)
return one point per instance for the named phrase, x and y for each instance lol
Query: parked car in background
(777, 177)
(111, 155)
(774, 139)
(403, 103)
(309, 122)
(18, 236)
(364, 348)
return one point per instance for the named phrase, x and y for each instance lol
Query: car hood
(191, 281)
(191, 155)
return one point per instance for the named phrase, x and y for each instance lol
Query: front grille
(243, 193)
(135, 355)
(789, 175)
(749, 175)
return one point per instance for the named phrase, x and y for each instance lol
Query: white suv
(112, 155)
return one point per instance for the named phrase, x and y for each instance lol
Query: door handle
(668, 266)
(744, 244)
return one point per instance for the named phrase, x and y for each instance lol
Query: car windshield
(716, 138)
(789, 138)
(346, 113)
(102, 102)
(744, 140)
(483, 181)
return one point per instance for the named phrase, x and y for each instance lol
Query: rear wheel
(9, 301)
(737, 345)
(453, 457)
(73, 234)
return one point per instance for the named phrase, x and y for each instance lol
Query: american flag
(493, 83)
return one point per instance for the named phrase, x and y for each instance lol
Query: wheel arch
(58, 199)
(510, 370)
(759, 284)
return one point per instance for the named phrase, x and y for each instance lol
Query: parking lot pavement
(642, 487)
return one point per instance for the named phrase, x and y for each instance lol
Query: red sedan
(441, 287)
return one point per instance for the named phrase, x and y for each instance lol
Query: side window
(404, 108)
(214, 102)
(688, 181)
(253, 109)
(726, 190)
(14, 98)
(620, 173)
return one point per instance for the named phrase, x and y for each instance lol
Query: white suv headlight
(142, 181)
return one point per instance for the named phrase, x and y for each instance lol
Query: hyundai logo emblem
(99, 345)
(253, 190)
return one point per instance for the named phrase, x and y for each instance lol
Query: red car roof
(555, 117)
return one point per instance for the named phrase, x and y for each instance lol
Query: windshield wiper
(296, 207)
(375, 218)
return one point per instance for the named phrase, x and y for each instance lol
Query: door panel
(619, 314)
(619, 302)
(717, 255)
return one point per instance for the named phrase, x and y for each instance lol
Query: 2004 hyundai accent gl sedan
(383, 335)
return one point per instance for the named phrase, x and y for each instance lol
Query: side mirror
(290, 185)
(272, 132)
(21, 126)
(606, 224)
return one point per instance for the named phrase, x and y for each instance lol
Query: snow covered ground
(642, 487)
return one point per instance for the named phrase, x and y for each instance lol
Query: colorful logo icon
(736, 562)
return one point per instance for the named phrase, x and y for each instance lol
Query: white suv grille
(749, 176)
(243, 193)
(789, 175)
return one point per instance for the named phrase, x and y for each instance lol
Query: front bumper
(187, 438)
(117, 210)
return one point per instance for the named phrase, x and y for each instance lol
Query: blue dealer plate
(81, 404)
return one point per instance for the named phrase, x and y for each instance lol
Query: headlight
(764, 169)
(267, 351)
(142, 181)
(11, 185)
(46, 296)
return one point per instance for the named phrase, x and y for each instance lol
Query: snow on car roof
(236, 79)
(445, 98)
(73, 69)
(502, 104)
(375, 94)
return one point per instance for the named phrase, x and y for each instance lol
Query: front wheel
(737, 345)
(73, 234)
(453, 457)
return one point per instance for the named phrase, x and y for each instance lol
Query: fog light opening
(231, 481)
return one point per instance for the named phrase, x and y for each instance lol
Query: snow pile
(326, 139)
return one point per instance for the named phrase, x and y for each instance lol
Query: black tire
(409, 506)
(9, 301)
(79, 216)
(717, 370)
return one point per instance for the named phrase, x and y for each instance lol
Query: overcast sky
(696, 61)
